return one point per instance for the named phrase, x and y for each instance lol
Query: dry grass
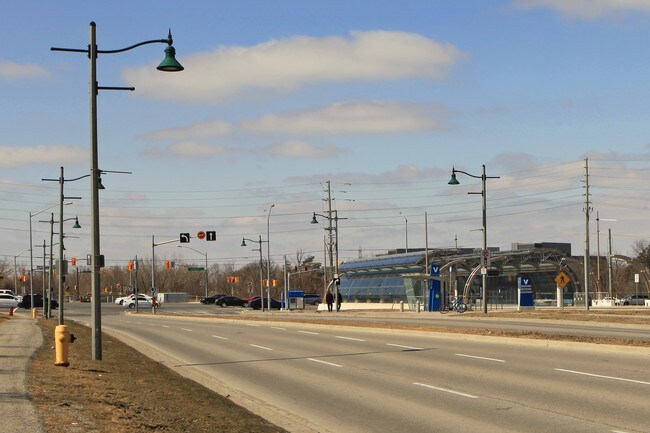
(126, 392)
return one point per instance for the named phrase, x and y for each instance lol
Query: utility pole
(587, 211)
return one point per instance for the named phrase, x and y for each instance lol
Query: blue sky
(380, 98)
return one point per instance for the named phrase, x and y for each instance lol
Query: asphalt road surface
(340, 379)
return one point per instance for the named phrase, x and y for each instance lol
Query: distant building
(384, 279)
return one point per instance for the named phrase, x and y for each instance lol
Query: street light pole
(268, 256)
(484, 253)
(260, 241)
(169, 64)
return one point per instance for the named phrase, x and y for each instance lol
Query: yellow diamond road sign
(562, 279)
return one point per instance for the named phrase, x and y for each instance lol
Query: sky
(284, 105)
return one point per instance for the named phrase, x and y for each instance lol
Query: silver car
(8, 301)
(635, 299)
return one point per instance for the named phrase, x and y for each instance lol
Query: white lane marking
(261, 347)
(404, 347)
(480, 357)
(602, 377)
(165, 326)
(324, 362)
(186, 329)
(308, 332)
(278, 328)
(445, 390)
(252, 324)
(220, 337)
(349, 338)
(619, 431)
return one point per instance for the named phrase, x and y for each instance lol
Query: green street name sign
(195, 269)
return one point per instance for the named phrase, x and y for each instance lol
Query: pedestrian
(329, 298)
(339, 299)
(154, 305)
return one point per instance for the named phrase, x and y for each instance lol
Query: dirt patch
(126, 392)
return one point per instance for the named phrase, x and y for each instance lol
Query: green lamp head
(314, 220)
(453, 180)
(169, 63)
(243, 242)
(76, 223)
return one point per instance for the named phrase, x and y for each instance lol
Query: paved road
(322, 378)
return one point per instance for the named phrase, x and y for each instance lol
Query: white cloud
(183, 149)
(301, 149)
(349, 118)
(16, 71)
(286, 64)
(587, 9)
(21, 156)
(200, 130)
(188, 148)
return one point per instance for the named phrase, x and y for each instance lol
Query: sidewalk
(19, 339)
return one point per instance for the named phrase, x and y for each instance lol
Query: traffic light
(236, 279)
(167, 264)
(130, 266)
(23, 271)
(275, 283)
(73, 261)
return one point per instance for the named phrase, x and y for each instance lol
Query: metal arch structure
(513, 262)
(637, 267)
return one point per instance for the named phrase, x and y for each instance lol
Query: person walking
(329, 298)
(339, 299)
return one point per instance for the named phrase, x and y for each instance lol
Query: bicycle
(456, 305)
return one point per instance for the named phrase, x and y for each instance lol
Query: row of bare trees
(306, 274)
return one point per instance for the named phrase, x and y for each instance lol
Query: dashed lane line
(480, 357)
(437, 388)
(349, 338)
(582, 373)
(308, 332)
(404, 347)
(220, 337)
(324, 362)
(261, 347)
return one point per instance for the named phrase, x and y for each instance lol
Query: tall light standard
(243, 244)
(334, 261)
(484, 253)
(169, 64)
(406, 231)
(598, 220)
(206, 265)
(31, 254)
(62, 198)
(268, 256)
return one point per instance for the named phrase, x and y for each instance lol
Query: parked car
(230, 301)
(249, 300)
(634, 299)
(125, 299)
(211, 299)
(312, 299)
(7, 292)
(38, 302)
(611, 299)
(8, 301)
(256, 304)
(144, 301)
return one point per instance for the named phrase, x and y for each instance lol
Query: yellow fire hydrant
(33, 313)
(62, 340)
